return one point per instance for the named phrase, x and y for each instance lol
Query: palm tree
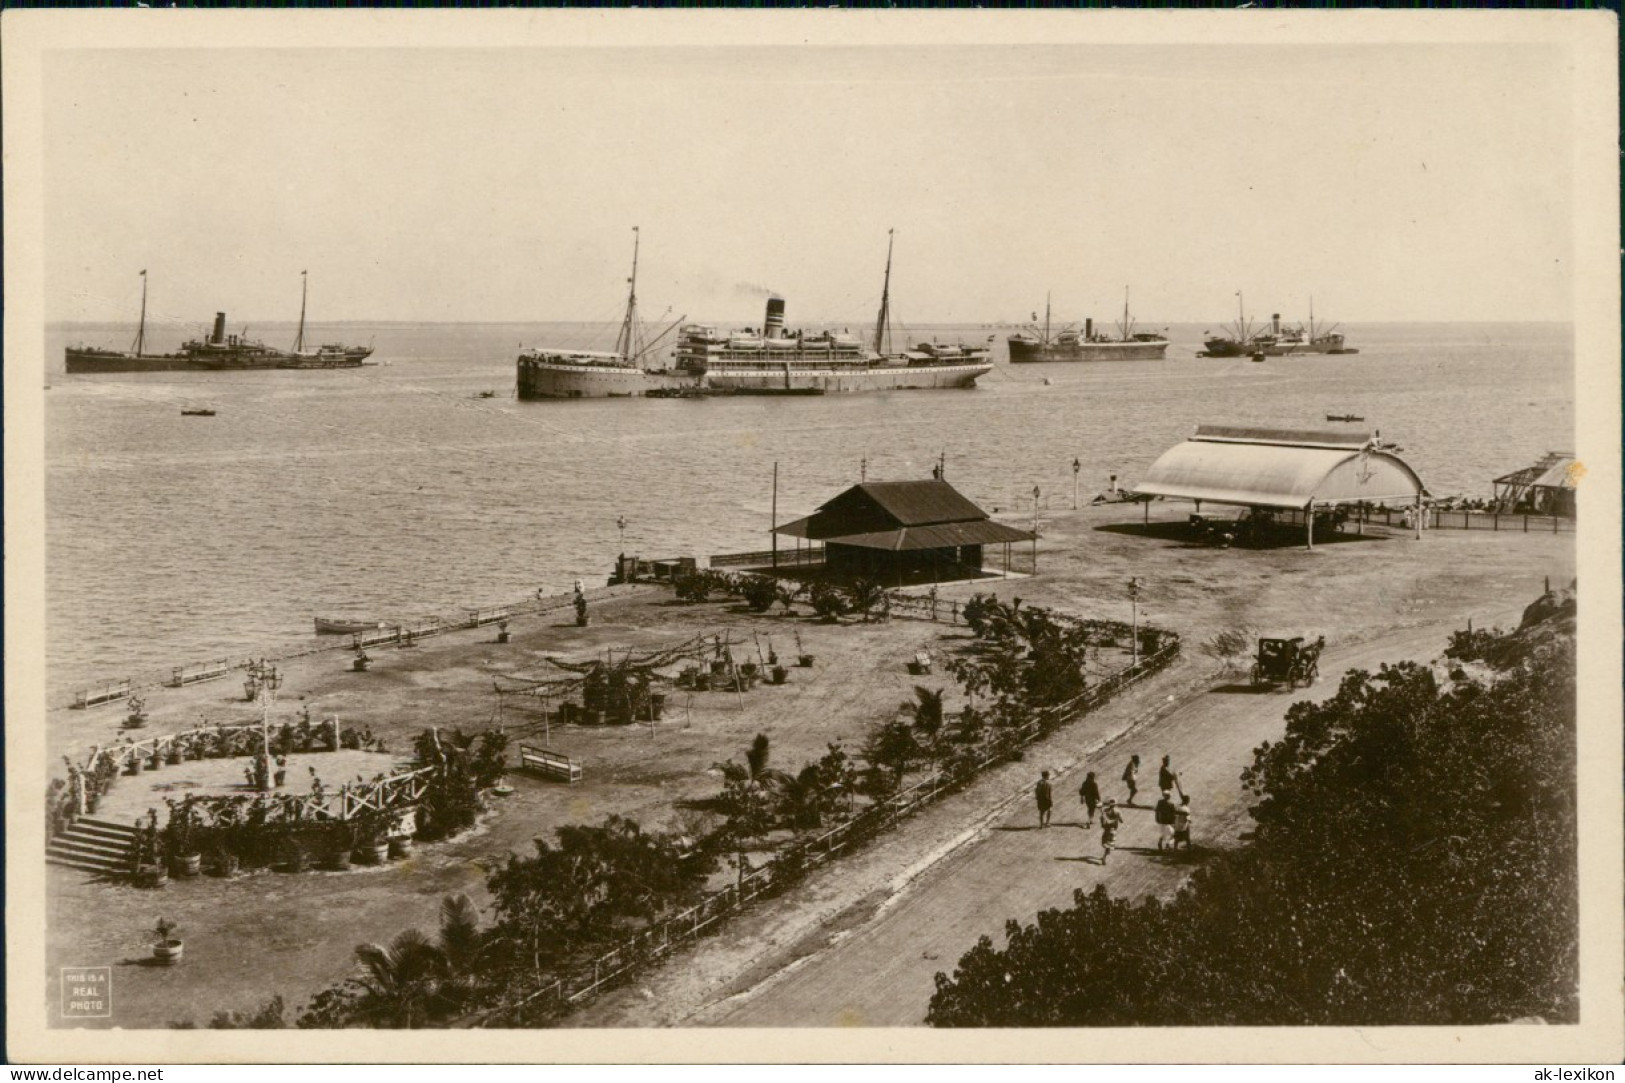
(927, 710)
(461, 945)
(400, 980)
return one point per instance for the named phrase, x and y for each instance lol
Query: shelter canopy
(902, 516)
(1274, 468)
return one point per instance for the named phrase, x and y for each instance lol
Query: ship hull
(847, 379)
(540, 380)
(1030, 352)
(80, 362)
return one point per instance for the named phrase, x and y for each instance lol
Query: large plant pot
(169, 952)
(657, 705)
(805, 661)
(338, 860)
(226, 867)
(151, 876)
(375, 855)
(748, 669)
(719, 666)
(135, 766)
(779, 674)
(702, 682)
(188, 865)
(400, 846)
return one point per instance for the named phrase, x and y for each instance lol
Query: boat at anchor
(766, 361)
(1072, 344)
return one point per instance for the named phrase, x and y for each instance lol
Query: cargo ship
(1276, 341)
(1290, 341)
(1071, 344)
(708, 361)
(216, 352)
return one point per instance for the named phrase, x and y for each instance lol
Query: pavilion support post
(1147, 505)
(1418, 516)
(1309, 523)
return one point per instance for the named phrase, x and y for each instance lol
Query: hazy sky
(1391, 182)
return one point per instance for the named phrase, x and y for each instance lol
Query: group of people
(1173, 820)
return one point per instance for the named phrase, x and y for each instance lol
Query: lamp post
(270, 679)
(1035, 530)
(1134, 611)
(620, 524)
(1076, 466)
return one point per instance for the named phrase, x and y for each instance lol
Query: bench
(921, 665)
(549, 764)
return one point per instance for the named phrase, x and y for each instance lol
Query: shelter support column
(1418, 516)
(1309, 523)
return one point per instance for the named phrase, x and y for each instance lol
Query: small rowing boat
(327, 627)
(1343, 417)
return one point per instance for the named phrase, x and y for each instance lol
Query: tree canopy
(1414, 863)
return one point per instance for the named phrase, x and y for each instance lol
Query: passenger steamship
(766, 362)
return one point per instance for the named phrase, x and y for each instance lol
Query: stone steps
(92, 845)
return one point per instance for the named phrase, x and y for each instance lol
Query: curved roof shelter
(1275, 468)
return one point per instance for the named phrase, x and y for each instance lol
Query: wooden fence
(1442, 519)
(243, 741)
(790, 865)
(111, 691)
(764, 558)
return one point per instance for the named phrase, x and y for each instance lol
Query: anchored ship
(771, 361)
(218, 351)
(1276, 341)
(1285, 342)
(548, 373)
(1239, 341)
(1071, 344)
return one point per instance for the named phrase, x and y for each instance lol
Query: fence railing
(764, 558)
(1441, 519)
(111, 690)
(793, 863)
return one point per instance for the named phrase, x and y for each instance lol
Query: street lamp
(1076, 466)
(1035, 530)
(620, 524)
(270, 679)
(1134, 609)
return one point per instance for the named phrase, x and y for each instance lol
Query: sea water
(399, 491)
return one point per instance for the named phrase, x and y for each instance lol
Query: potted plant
(176, 755)
(502, 631)
(295, 855)
(166, 948)
(657, 705)
(343, 842)
(225, 862)
(803, 659)
(779, 674)
(747, 669)
(180, 839)
(372, 835)
(400, 845)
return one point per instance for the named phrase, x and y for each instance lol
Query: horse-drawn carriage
(1287, 661)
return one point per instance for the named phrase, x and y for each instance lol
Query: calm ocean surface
(396, 492)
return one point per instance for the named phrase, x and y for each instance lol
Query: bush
(827, 600)
(1454, 903)
(760, 593)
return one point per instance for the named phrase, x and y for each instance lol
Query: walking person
(1046, 798)
(1089, 794)
(1164, 815)
(1110, 821)
(1131, 775)
(1182, 822)
(1167, 780)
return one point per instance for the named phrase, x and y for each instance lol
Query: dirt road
(878, 971)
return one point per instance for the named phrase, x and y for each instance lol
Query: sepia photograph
(822, 536)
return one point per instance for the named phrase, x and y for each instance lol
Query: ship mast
(883, 322)
(625, 344)
(1046, 317)
(304, 291)
(1127, 324)
(141, 328)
